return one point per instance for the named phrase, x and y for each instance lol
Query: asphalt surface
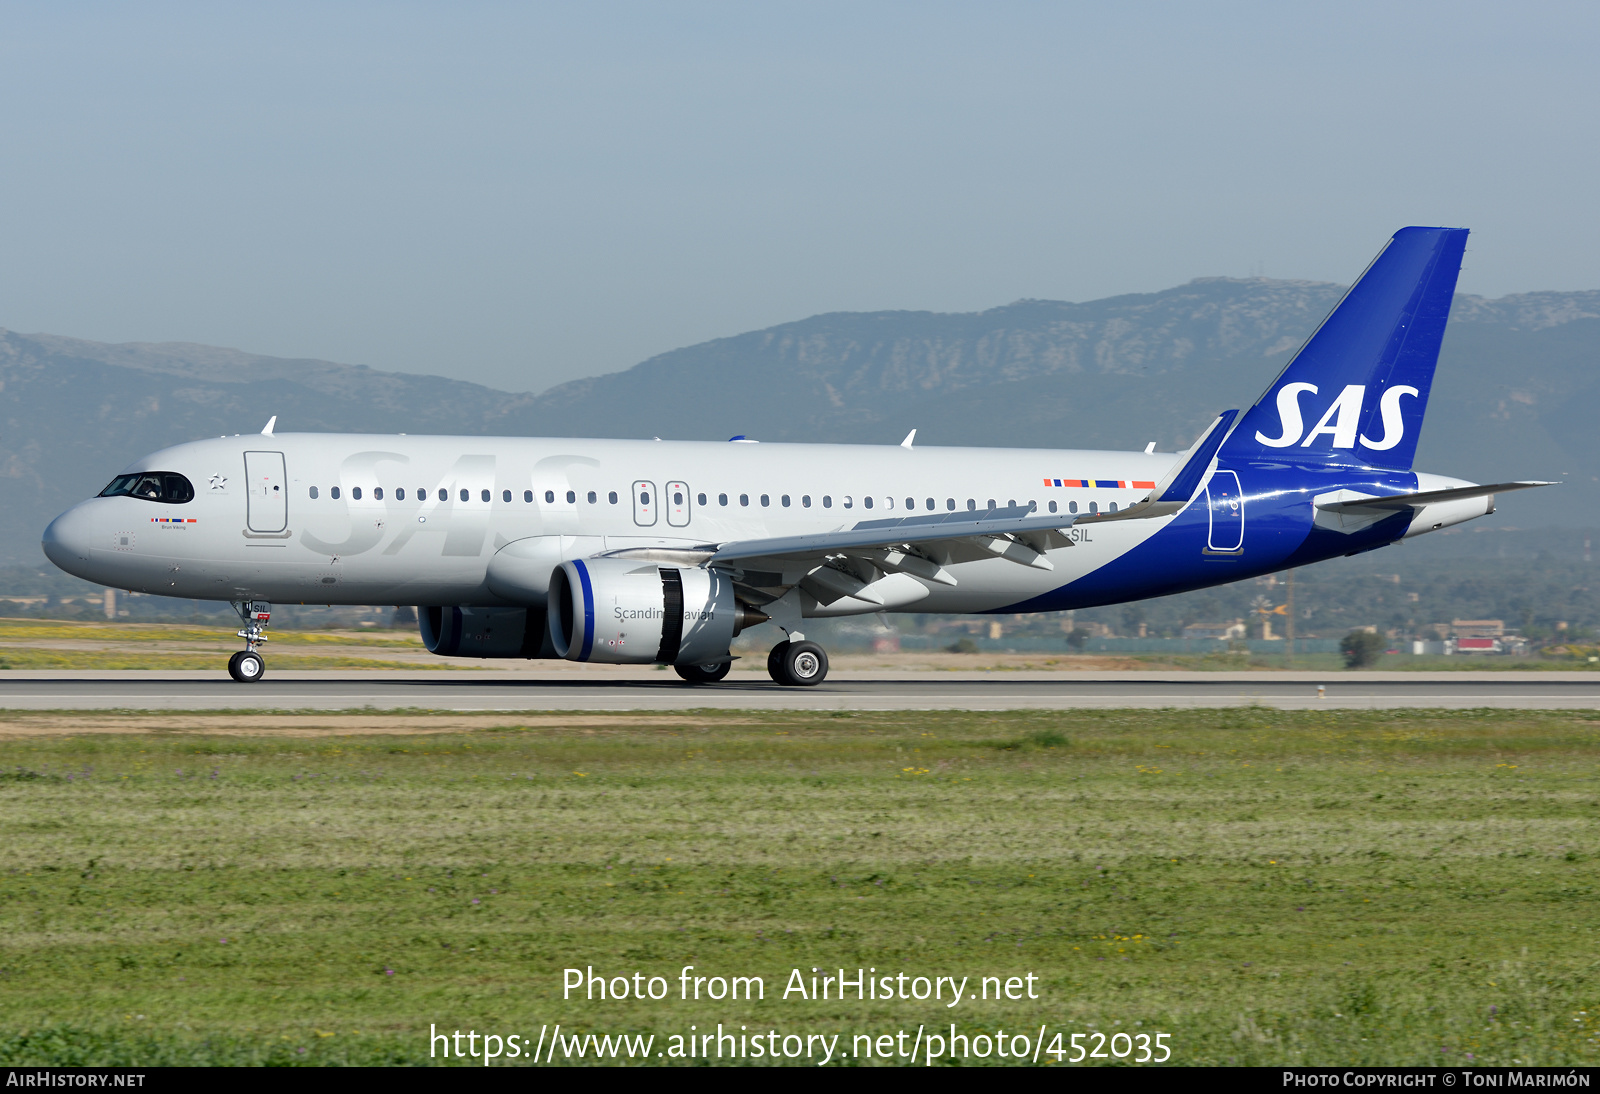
(648, 690)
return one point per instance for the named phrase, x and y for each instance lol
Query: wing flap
(928, 534)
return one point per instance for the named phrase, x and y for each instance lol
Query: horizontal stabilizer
(1429, 497)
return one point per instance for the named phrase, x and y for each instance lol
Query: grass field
(1267, 887)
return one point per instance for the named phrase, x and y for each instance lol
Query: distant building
(1478, 628)
(1226, 632)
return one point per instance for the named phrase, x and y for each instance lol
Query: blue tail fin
(1357, 390)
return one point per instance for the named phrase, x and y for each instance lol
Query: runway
(649, 690)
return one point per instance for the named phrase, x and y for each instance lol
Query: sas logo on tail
(1342, 419)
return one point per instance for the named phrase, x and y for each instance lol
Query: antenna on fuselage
(266, 430)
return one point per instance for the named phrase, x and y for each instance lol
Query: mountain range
(1516, 395)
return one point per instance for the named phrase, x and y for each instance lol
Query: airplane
(640, 552)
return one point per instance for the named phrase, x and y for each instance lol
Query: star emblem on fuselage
(219, 482)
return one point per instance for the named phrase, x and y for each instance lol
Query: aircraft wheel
(703, 674)
(775, 661)
(246, 667)
(804, 665)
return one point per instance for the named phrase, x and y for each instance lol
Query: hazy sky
(523, 194)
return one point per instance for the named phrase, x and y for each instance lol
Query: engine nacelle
(628, 612)
(485, 632)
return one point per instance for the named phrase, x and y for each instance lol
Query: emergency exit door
(267, 502)
(677, 504)
(644, 504)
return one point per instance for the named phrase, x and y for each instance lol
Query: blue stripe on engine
(452, 645)
(588, 611)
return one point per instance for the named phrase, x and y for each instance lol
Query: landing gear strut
(797, 664)
(247, 666)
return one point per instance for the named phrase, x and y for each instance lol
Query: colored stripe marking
(588, 611)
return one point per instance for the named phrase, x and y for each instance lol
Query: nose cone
(67, 541)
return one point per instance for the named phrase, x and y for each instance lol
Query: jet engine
(485, 632)
(628, 612)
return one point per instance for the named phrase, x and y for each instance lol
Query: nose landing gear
(247, 666)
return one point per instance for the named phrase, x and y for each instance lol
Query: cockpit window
(164, 486)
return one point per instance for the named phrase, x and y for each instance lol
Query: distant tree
(962, 645)
(1361, 649)
(1077, 639)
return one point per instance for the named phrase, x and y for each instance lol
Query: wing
(850, 561)
(1180, 484)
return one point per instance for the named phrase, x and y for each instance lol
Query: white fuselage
(364, 519)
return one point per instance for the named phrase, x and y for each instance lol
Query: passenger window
(677, 497)
(1072, 507)
(399, 493)
(950, 503)
(572, 497)
(483, 494)
(377, 493)
(805, 500)
(549, 497)
(334, 493)
(827, 502)
(722, 499)
(444, 495)
(911, 503)
(1112, 507)
(867, 501)
(505, 495)
(644, 497)
(355, 492)
(744, 499)
(785, 500)
(991, 503)
(1011, 503)
(527, 496)
(972, 506)
(701, 499)
(1094, 507)
(313, 493)
(593, 497)
(612, 497)
(1052, 507)
(1033, 507)
(848, 502)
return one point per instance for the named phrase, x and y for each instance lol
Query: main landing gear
(703, 674)
(797, 664)
(247, 666)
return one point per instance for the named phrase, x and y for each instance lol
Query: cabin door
(1225, 503)
(267, 504)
